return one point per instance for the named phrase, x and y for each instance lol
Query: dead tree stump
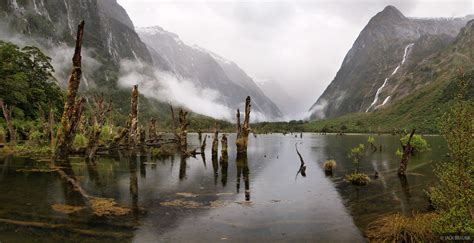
(99, 114)
(407, 150)
(133, 133)
(215, 142)
(224, 153)
(243, 130)
(73, 107)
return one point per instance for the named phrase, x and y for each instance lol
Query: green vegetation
(358, 179)
(453, 196)
(164, 151)
(356, 155)
(400, 228)
(418, 143)
(329, 165)
(80, 141)
(27, 83)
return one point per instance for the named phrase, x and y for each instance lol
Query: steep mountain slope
(110, 38)
(373, 73)
(109, 35)
(420, 109)
(207, 70)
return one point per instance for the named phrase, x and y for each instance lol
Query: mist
(297, 44)
(169, 88)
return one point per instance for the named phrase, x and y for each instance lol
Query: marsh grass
(400, 228)
(329, 165)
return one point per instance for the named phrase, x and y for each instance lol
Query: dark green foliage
(26, 81)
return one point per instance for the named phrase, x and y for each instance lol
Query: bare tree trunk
(7, 115)
(407, 150)
(72, 108)
(152, 135)
(183, 130)
(133, 133)
(215, 142)
(99, 114)
(130, 129)
(243, 130)
(51, 126)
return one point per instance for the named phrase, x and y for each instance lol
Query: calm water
(256, 198)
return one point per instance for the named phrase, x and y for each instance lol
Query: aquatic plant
(356, 155)
(358, 179)
(400, 228)
(453, 195)
(329, 165)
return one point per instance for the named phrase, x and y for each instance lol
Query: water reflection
(243, 171)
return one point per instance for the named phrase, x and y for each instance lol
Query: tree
(26, 81)
(453, 196)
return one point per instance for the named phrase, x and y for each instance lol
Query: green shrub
(80, 141)
(105, 135)
(329, 165)
(358, 179)
(165, 150)
(418, 143)
(35, 137)
(356, 154)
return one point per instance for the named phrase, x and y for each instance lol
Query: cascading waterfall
(69, 21)
(379, 90)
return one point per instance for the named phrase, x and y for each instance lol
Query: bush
(358, 179)
(105, 136)
(165, 150)
(400, 228)
(329, 165)
(2, 135)
(35, 137)
(418, 143)
(80, 141)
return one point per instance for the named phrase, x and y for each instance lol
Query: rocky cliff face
(206, 70)
(373, 73)
(110, 34)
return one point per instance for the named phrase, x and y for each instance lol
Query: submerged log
(72, 107)
(407, 151)
(7, 113)
(99, 114)
(243, 130)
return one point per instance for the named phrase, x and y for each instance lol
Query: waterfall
(69, 21)
(379, 90)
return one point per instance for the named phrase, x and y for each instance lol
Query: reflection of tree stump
(243, 171)
(244, 129)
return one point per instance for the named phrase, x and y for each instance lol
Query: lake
(253, 199)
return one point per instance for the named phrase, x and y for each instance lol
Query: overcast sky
(298, 45)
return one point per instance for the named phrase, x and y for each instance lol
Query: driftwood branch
(302, 168)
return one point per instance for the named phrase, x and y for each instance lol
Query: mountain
(375, 72)
(110, 38)
(423, 108)
(206, 69)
